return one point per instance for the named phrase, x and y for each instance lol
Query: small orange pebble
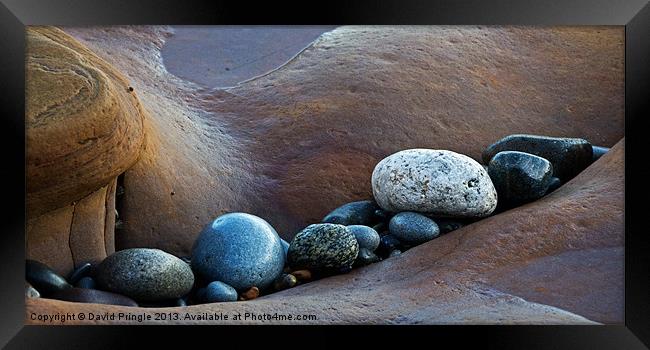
(252, 293)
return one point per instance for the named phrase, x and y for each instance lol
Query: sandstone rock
(437, 182)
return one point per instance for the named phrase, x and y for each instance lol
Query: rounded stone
(86, 282)
(520, 177)
(366, 236)
(80, 272)
(250, 294)
(365, 257)
(94, 296)
(395, 252)
(569, 156)
(598, 151)
(43, 278)
(285, 247)
(302, 275)
(239, 249)
(145, 274)
(30, 292)
(387, 244)
(217, 292)
(554, 184)
(285, 281)
(413, 228)
(448, 225)
(354, 213)
(321, 247)
(438, 182)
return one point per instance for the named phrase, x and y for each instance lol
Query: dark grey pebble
(285, 246)
(387, 244)
(555, 183)
(413, 228)
(95, 296)
(80, 272)
(44, 279)
(569, 156)
(239, 249)
(448, 225)
(598, 152)
(285, 281)
(323, 247)
(86, 282)
(217, 292)
(395, 252)
(182, 302)
(366, 236)
(354, 213)
(145, 274)
(519, 177)
(30, 292)
(365, 257)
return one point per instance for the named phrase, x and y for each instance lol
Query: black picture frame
(634, 15)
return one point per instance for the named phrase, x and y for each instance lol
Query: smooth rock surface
(217, 292)
(413, 228)
(520, 177)
(366, 236)
(44, 279)
(569, 156)
(93, 296)
(355, 213)
(322, 247)
(79, 273)
(145, 274)
(239, 249)
(438, 182)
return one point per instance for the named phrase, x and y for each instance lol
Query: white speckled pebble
(439, 182)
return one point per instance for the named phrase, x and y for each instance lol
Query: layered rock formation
(294, 144)
(84, 128)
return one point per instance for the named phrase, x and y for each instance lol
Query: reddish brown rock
(466, 275)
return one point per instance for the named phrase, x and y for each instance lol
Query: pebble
(285, 247)
(387, 244)
(145, 274)
(569, 156)
(520, 177)
(554, 184)
(366, 236)
(43, 278)
(80, 272)
(181, 302)
(598, 152)
(302, 275)
(285, 281)
(438, 182)
(217, 292)
(365, 257)
(251, 294)
(395, 252)
(81, 295)
(86, 282)
(239, 249)
(30, 292)
(413, 228)
(354, 213)
(448, 225)
(323, 247)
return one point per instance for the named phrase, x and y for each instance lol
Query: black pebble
(80, 272)
(387, 244)
(86, 283)
(598, 152)
(554, 185)
(44, 279)
(365, 257)
(447, 225)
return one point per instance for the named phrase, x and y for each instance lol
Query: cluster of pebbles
(419, 194)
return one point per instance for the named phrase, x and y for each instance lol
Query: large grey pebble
(366, 236)
(145, 274)
(438, 182)
(520, 177)
(413, 228)
(323, 247)
(569, 156)
(239, 249)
